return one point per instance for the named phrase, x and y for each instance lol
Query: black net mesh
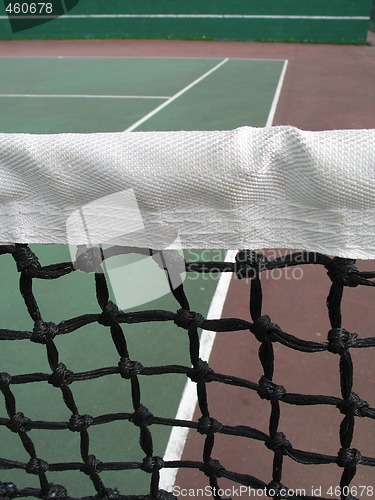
(248, 265)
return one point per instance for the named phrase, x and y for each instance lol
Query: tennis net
(85, 227)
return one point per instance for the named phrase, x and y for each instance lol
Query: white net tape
(247, 188)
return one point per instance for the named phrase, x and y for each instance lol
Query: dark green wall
(300, 30)
(372, 22)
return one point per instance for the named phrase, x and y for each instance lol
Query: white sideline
(178, 436)
(276, 98)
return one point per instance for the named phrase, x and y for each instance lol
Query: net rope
(248, 265)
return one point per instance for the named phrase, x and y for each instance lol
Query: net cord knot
(278, 443)
(129, 368)
(109, 314)
(340, 340)
(8, 491)
(56, 492)
(19, 423)
(79, 423)
(165, 495)
(208, 425)
(200, 371)
(343, 271)
(354, 406)
(36, 466)
(26, 260)
(263, 329)
(5, 380)
(91, 466)
(188, 319)
(249, 264)
(61, 376)
(141, 416)
(44, 332)
(348, 457)
(269, 390)
(152, 464)
(213, 468)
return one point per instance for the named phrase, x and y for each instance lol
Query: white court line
(276, 97)
(178, 436)
(140, 57)
(176, 96)
(188, 16)
(84, 96)
(186, 409)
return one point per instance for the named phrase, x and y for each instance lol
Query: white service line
(176, 96)
(178, 436)
(83, 96)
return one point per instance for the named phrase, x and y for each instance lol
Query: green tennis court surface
(51, 95)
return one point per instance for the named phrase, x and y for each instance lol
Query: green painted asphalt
(238, 93)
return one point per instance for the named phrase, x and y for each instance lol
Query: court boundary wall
(311, 21)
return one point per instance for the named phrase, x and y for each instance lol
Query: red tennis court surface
(325, 87)
(295, 302)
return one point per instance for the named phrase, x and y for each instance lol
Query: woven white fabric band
(256, 188)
